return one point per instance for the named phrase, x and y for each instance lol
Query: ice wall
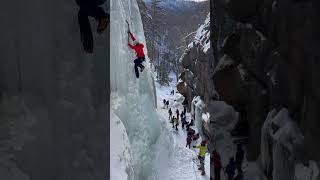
(121, 167)
(53, 105)
(197, 110)
(132, 100)
(281, 145)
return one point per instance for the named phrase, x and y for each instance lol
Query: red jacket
(137, 48)
(215, 158)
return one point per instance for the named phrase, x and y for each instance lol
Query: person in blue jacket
(231, 169)
(239, 160)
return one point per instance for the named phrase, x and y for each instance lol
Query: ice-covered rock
(120, 151)
(133, 100)
(281, 141)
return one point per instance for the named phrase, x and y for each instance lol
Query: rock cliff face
(265, 57)
(197, 64)
(270, 60)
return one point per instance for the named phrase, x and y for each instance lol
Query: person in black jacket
(170, 114)
(239, 160)
(91, 8)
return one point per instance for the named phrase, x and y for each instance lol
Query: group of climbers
(191, 133)
(165, 103)
(174, 119)
(232, 166)
(236, 164)
(233, 169)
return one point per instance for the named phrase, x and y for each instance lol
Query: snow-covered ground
(173, 159)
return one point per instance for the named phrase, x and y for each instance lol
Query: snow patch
(202, 36)
(206, 117)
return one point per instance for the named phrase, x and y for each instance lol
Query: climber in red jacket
(138, 48)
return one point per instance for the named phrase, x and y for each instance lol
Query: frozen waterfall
(132, 100)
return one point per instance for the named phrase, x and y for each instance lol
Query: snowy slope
(132, 99)
(174, 161)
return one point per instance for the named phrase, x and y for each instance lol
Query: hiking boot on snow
(203, 173)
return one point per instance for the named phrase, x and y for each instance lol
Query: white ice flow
(142, 144)
(133, 110)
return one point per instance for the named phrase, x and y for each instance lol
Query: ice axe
(128, 25)
(128, 30)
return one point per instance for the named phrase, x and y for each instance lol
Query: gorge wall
(273, 53)
(265, 57)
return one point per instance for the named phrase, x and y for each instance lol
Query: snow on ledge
(206, 117)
